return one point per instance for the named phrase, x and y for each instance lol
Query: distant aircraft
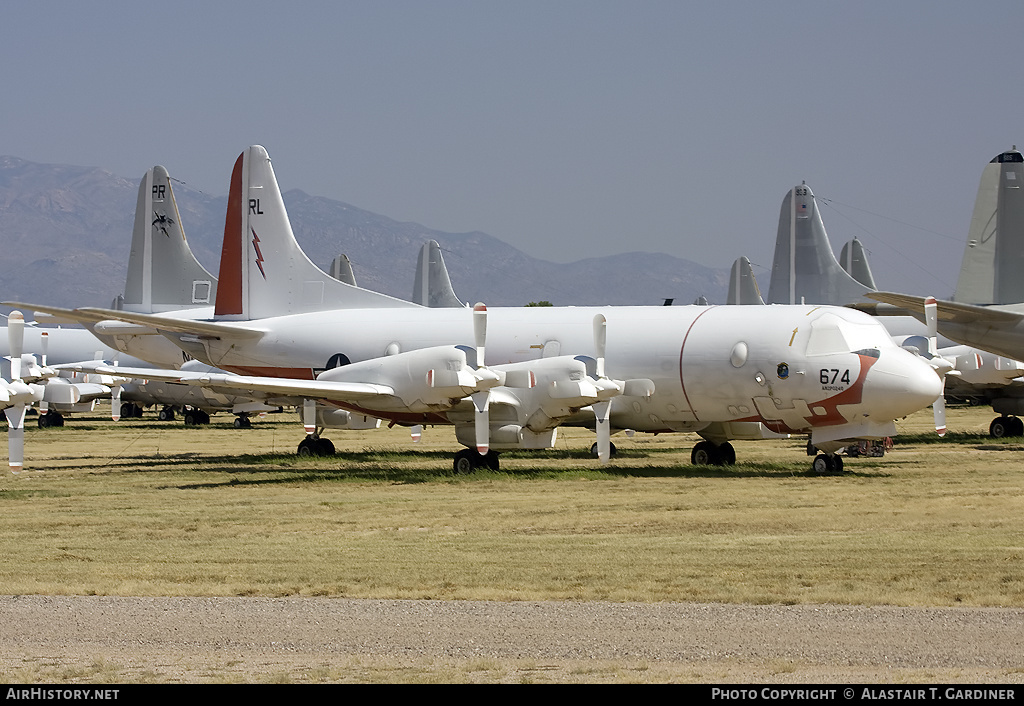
(988, 313)
(718, 371)
(805, 269)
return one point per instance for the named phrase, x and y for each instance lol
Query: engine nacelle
(423, 380)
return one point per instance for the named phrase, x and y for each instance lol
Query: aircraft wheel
(727, 454)
(242, 423)
(166, 414)
(490, 460)
(999, 427)
(464, 461)
(50, 419)
(324, 447)
(705, 454)
(827, 463)
(190, 419)
(1017, 427)
(307, 447)
(611, 449)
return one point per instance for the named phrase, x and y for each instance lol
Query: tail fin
(433, 286)
(163, 274)
(743, 287)
(994, 256)
(855, 261)
(805, 269)
(263, 271)
(341, 269)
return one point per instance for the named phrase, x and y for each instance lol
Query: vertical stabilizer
(743, 287)
(263, 271)
(433, 286)
(805, 270)
(994, 256)
(163, 274)
(855, 261)
(341, 269)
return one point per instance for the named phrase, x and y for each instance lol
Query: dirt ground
(118, 639)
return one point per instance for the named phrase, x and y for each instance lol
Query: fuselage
(792, 367)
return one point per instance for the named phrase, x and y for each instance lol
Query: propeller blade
(480, 332)
(604, 436)
(16, 341)
(600, 338)
(482, 421)
(309, 415)
(417, 433)
(939, 408)
(931, 317)
(115, 401)
(15, 436)
(45, 345)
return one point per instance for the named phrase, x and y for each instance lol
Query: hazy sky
(567, 129)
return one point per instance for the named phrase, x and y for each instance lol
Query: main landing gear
(706, 453)
(313, 445)
(1006, 426)
(50, 418)
(827, 463)
(468, 460)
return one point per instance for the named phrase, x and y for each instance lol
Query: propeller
(481, 399)
(19, 393)
(942, 366)
(602, 410)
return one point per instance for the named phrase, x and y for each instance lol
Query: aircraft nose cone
(900, 383)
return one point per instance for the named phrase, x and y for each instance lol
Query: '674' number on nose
(828, 376)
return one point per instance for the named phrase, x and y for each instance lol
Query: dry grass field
(143, 508)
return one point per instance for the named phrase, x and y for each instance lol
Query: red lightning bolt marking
(259, 255)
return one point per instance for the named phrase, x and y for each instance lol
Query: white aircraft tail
(805, 269)
(855, 261)
(163, 274)
(994, 256)
(743, 287)
(433, 286)
(341, 269)
(263, 271)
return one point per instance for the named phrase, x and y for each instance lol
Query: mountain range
(65, 235)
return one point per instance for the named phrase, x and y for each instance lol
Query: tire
(999, 427)
(704, 454)
(823, 464)
(726, 454)
(464, 462)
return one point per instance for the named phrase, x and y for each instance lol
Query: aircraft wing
(56, 314)
(278, 387)
(953, 312)
(93, 315)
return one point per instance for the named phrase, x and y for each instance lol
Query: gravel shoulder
(120, 639)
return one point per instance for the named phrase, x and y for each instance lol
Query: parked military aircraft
(718, 371)
(805, 269)
(988, 312)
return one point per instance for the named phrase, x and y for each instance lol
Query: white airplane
(806, 270)
(987, 312)
(722, 372)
